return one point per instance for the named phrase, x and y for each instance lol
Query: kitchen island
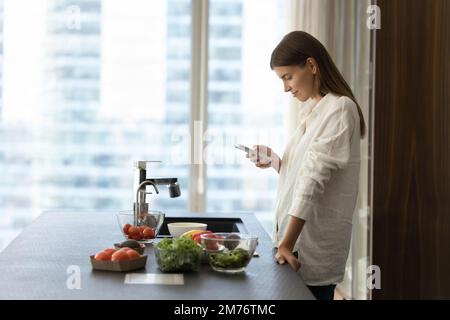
(42, 261)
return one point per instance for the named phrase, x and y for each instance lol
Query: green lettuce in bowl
(229, 252)
(234, 259)
(178, 255)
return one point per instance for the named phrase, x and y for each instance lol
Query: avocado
(232, 241)
(133, 244)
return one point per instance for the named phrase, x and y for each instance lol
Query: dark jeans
(323, 292)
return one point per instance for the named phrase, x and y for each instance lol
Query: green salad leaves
(237, 258)
(181, 254)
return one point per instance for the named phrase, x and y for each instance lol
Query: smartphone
(262, 157)
(243, 148)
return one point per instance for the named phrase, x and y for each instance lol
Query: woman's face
(299, 80)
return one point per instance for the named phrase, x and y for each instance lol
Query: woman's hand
(274, 160)
(284, 255)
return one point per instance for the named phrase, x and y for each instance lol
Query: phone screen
(243, 148)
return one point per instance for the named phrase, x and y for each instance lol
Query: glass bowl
(153, 220)
(229, 252)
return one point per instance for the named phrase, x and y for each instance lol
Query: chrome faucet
(141, 206)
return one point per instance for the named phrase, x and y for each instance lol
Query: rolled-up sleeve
(329, 151)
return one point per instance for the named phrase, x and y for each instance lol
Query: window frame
(198, 123)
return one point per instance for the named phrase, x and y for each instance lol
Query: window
(244, 104)
(86, 96)
(102, 83)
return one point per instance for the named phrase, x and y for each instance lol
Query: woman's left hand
(285, 255)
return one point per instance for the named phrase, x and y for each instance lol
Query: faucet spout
(140, 208)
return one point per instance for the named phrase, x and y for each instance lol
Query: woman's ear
(312, 65)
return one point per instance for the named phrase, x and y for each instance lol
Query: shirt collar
(319, 106)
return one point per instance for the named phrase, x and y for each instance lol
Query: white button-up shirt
(318, 183)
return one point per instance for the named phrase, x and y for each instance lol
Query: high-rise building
(101, 84)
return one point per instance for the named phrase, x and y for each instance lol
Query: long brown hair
(296, 47)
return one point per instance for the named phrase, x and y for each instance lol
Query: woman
(319, 170)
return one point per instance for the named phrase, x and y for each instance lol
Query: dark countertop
(35, 264)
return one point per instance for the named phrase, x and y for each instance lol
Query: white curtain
(341, 27)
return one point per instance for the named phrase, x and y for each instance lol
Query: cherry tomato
(149, 233)
(126, 228)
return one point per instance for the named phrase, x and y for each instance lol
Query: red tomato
(137, 236)
(149, 233)
(133, 231)
(197, 237)
(218, 237)
(132, 254)
(120, 255)
(102, 256)
(211, 245)
(109, 252)
(126, 228)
